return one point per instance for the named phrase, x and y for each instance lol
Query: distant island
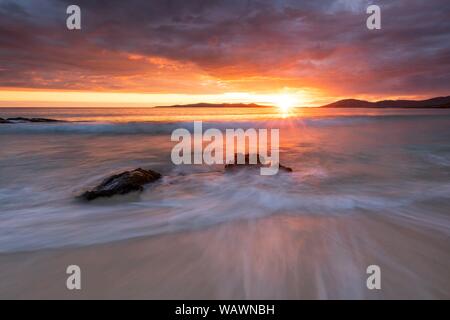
(217, 105)
(438, 103)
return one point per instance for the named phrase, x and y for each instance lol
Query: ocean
(368, 187)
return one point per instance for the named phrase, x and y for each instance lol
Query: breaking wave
(154, 128)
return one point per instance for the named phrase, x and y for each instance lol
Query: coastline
(379, 198)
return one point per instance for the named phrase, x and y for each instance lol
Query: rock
(260, 163)
(122, 183)
(22, 119)
(4, 121)
(44, 120)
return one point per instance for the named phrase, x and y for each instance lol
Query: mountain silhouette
(438, 102)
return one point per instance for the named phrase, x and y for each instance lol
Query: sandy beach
(302, 258)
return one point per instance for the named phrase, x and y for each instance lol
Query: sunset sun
(285, 102)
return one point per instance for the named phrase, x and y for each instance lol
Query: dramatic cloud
(212, 46)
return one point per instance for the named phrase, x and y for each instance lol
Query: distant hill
(216, 105)
(439, 102)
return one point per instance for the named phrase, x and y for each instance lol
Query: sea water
(364, 181)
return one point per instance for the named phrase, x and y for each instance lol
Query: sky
(159, 52)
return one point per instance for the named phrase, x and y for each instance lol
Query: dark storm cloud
(322, 44)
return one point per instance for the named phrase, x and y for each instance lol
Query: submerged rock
(259, 164)
(22, 119)
(122, 183)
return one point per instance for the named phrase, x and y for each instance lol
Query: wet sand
(277, 257)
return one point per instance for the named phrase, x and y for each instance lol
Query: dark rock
(44, 120)
(4, 121)
(260, 163)
(122, 183)
(22, 119)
